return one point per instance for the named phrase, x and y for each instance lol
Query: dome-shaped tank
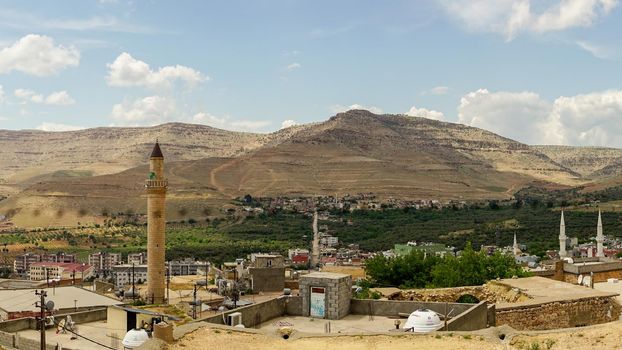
(135, 338)
(423, 321)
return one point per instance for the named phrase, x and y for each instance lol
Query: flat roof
(331, 275)
(545, 290)
(16, 300)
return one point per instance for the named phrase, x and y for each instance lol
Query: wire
(81, 336)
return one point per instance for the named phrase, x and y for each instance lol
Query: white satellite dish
(580, 280)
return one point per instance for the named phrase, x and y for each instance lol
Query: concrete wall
(472, 319)
(394, 307)
(268, 279)
(293, 306)
(338, 293)
(255, 314)
(560, 314)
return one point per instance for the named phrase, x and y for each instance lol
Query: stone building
(326, 295)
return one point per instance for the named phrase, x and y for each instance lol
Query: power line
(83, 337)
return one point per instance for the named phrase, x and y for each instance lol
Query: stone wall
(338, 293)
(395, 307)
(267, 279)
(491, 292)
(254, 315)
(560, 314)
(602, 276)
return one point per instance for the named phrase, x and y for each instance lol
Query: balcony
(156, 183)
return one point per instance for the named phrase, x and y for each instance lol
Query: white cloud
(438, 90)
(37, 55)
(150, 110)
(511, 17)
(583, 120)
(425, 113)
(57, 98)
(288, 123)
(523, 116)
(596, 51)
(342, 108)
(293, 66)
(57, 127)
(128, 71)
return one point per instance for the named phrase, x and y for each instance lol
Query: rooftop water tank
(423, 321)
(135, 338)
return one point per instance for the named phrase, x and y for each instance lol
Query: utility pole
(47, 277)
(194, 304)
(168, 283)
(42, 295)
(73, 276)
(133, 286)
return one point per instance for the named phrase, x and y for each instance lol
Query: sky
(537, 71)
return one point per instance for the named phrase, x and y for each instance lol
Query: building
(298, 251)
(326, 295)
(185, 267)
(122, 274)
(267, 272)
(48, 271)
(19, 303)
(300, 259)
(155, 187)
(328, 240)
(427, 248)
(103, 262)
(137, 258)
(22, 263)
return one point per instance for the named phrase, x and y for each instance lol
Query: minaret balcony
(156, 183)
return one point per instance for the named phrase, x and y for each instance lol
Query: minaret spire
(562, 237)
(599, 238)
(515, 246)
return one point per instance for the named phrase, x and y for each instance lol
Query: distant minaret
(315, 252)
(156, 197)
(599, 238)
(562, 238)
(515, 246)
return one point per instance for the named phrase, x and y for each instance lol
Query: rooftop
(67, 266)
(16, 300)
(331, 275)
(544, 290)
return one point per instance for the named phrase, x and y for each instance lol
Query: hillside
(590, 162)
(352, 152)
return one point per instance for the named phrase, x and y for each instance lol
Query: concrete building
(298, 251)
(267, 260)
(122, 274)
(267, 272)
(326, 295)
(185, 267)
(600, 238)
(137, 258)
(44, 271)
(103, 262)
(156, 187)
(18, 303)
(22, 263)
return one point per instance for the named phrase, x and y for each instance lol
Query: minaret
(156, 197)
(599, 238)
(562, 238)
(515, 246)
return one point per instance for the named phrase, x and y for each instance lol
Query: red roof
(300, 258)
(67, 266)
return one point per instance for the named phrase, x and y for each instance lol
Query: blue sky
(538, 71)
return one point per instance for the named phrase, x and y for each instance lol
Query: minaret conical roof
(157, 152)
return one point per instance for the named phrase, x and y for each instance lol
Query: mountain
(589, 162)
(78, 176)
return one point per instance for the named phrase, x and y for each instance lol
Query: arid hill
(59, 182)
(590, 162)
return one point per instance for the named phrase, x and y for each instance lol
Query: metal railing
(156, 183)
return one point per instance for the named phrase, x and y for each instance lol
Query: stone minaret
(562, 238)
(599, 238)
(515, 246)
(156, 197)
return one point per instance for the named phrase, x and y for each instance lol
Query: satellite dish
(49, 305)
(580, 280)
(587, 281)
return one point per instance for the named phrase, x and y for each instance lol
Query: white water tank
(135, 338)
(423, 321)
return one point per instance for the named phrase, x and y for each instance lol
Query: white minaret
(515, 246)
(599, 238)
(562, 238)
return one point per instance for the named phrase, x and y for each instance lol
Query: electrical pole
(194, 304)
(133, 286)
(42, 295)
(47, 277)
(168, 283)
